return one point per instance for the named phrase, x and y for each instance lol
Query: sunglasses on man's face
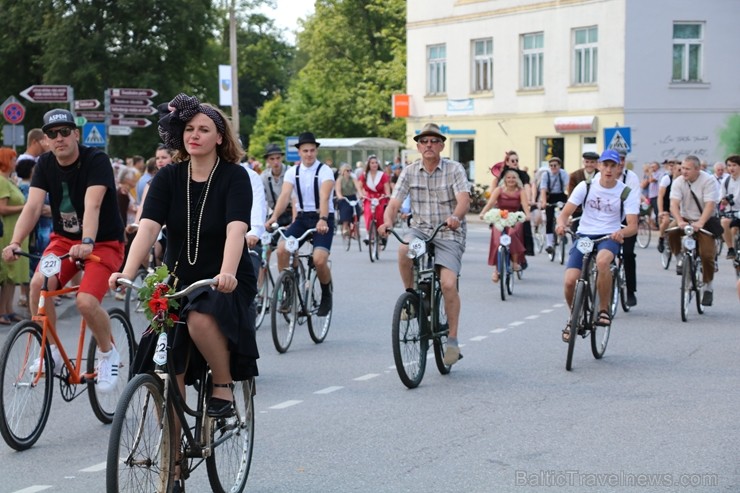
(65, 132)
(429, 141)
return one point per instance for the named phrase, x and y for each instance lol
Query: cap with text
(58, 117)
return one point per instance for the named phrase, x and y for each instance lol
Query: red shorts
(95, 280)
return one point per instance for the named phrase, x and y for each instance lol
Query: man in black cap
(440, 193)
(311, 185)
(82, 195)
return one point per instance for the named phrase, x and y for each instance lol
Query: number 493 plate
(50, 265)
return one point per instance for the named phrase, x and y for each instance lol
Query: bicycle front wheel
(622, 285)
(347, 236)
(409, 344)
(25, 403)
(699, 284)
(440, 338)
(356, 230)
(561, 249)
(687, 286)
(284, 311)
(539, 239)
(577, 319)
(318, 325)
(665, 257)
(140, 453)
(133, 307)
(372, 241)
(233, 441)
(104, 404)
(599, 333)
(643, 233)
(502, 271)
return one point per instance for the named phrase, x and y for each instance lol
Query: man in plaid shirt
(440, 193)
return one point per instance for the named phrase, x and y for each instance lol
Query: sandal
(604, 319)
(566, 334)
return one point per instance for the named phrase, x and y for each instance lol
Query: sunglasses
(430, 141)
(65, 131)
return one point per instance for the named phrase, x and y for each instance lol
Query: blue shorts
(575, 257)
(307, 220)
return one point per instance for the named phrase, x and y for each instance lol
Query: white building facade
(546, 78)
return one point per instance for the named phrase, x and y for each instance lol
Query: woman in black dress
(204, 198)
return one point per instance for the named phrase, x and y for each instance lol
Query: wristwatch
(88, 241)
(324, 218)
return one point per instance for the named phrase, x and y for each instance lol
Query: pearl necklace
(200, 214)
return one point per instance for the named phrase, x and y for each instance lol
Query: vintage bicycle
(419, 316)
(143, 450)
(619, 286)
(560, 243)
(265, 280)
(692, 273)
(585, 307)
(505, 266)
(374, 242)
(27, 366)
(352, 231)
(297, 296)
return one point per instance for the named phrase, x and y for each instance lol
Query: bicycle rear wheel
(576, 322)
(614, 300)
(264, 295)
(440, 341)
(284, 311)
(318, 325)
(25, 405)
(622, 285)
(357, 234)
(409, 343)
(643, 233)
(133, 307)
(140, 445)
(233, 441)
(104, 404)
(539, 239)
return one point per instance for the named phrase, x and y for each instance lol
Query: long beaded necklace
(200, 213)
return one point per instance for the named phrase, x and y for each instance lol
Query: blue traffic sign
(94, 134)
(291, 153)
(618, 139)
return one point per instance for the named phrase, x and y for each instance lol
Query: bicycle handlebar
(689, 230)
(436, 230)
(305, 235)
(178, 294)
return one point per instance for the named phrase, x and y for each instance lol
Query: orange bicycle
(26, 384)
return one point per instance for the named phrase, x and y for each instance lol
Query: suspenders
(315, 188)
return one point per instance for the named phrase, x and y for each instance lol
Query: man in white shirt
(730, 202)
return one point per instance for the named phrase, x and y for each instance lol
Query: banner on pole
(224, 85)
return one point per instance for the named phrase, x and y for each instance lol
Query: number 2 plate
(50, 265)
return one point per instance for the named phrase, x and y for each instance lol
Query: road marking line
(546, 311)
(369, 376)
(285, 404)
(558, 305)
(514, 324)
(328, 390)
(478, 338)
(34, 489)
(532, 317)
(497, 331)
(95, 468)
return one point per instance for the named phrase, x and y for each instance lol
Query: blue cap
(610, 155)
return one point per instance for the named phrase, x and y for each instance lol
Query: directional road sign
(131, 102)
(133, 110)
(47, 94)
(618, 138)
(131, 122)
(13, 111)
(97, 116)
(120, 130)
(132, 93)
(87, 104)
(94, 135)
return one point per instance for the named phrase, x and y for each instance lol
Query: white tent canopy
(351, 150)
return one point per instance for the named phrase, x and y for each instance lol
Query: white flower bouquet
(503, 219)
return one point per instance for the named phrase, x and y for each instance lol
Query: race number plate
(689, 243)
(50, 265)
(266, 238)
(505, 240)
(291, 244)
(585, 245)
(417, 248)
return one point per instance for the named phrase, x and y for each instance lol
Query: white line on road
(478, 338)
(546, 311)
(497, 331)
(329, 390)
(369, 376)
(95, 468)
(285, 404)
(514, 324)
(558, 305)
(34, 489)
(531, 317)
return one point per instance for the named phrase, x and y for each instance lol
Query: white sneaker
(56, 357)
(452, 355)
(107, 369)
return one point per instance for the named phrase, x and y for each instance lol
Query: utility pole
(234, 71)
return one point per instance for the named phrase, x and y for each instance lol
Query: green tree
(355, 59)
(730, 135)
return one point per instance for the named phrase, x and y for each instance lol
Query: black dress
(229, 198)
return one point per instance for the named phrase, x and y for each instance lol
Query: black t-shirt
(229, 199)
(66, 186)
(523, 175)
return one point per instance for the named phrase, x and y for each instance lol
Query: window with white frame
(436, 69)
(585, 55)
(688, 39)
(533, 55)
(482, 65)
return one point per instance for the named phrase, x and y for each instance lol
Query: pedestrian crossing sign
(94, 134)
(618, 139)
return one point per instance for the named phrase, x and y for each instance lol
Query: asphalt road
(657, 413)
